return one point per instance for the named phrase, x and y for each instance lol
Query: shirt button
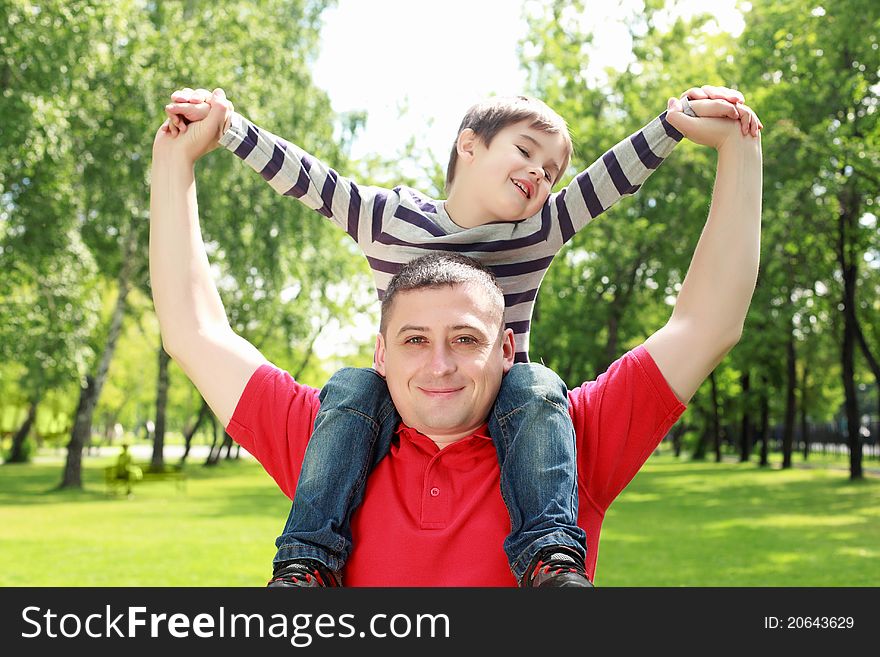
(435, 491)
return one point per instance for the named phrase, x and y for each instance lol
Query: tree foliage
(812, 74)
(83, 88)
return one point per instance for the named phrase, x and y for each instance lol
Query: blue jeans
(530, 427)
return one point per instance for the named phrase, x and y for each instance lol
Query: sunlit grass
(218, 531)
(732, 524)
(677, 524)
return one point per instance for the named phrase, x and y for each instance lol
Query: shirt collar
(412, 434)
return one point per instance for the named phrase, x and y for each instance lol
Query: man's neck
(445, 440)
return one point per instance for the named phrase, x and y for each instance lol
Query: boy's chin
(510, 218)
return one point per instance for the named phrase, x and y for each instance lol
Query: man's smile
(440, 392)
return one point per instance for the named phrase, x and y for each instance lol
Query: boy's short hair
(437, 270)
(492, 115)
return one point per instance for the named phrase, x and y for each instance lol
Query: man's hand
(720, 102)
(187, 106)
(202, 135)
(707, 130)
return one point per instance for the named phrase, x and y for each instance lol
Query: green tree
(819, 64)
(84, 85)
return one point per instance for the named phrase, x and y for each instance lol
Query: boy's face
(515, 173)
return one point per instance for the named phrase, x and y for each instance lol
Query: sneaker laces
(557, 562)
(300, 572)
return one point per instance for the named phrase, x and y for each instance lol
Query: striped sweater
(394, 226)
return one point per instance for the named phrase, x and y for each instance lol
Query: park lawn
(219, 530)
(683, 523)
(679, 523)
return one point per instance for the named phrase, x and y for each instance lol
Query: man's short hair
(489, 117)
(437, 270)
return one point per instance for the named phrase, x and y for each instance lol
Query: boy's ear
(466, 144)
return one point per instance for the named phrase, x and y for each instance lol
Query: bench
(142, 474)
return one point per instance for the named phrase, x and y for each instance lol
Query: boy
(508, 154)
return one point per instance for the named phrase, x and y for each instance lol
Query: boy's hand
(723, 102)
(201, 136)
(705, 129)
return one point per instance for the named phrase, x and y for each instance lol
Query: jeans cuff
(288, 552)
(523, 560)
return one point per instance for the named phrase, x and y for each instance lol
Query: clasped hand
(210, 118)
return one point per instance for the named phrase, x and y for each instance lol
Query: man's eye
(466, 339)
(416, 339)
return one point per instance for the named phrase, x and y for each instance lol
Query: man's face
(516, 171)
(443, 357)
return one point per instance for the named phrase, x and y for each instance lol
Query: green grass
(731, 524)
(218, 531)
(677, 524)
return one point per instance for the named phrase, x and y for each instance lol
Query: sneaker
(306, 573)
(556, 566)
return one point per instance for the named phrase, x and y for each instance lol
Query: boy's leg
(534, 436)
(353, 431)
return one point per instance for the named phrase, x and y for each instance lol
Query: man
(433, 514)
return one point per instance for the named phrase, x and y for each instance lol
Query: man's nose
(442, 361)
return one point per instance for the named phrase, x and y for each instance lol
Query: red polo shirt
(440, 512)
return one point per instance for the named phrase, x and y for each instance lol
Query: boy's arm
(192, 321)
(287, 168)
(708, 316)
(624, 167)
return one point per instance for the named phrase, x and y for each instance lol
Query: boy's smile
(524, 186)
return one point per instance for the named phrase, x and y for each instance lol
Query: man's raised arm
(708, 317)
(193, 323)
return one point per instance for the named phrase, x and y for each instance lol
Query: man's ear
(466, 144)
(508, 349)
(379, 354)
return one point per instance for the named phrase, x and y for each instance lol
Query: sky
(416, 66)
(432, 59)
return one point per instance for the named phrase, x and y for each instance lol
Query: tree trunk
(716, 431)
(869, 356)
(849, 269)
(157, 463)
(677, 433)
(88, 398)
(765, 425)
(189, 433)
(699, 453)
(17, 453)
(805, 427)
(217, 450)
(747, 429)
(873, 364)
(790, 406)
(214, 452)
(228, 444)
